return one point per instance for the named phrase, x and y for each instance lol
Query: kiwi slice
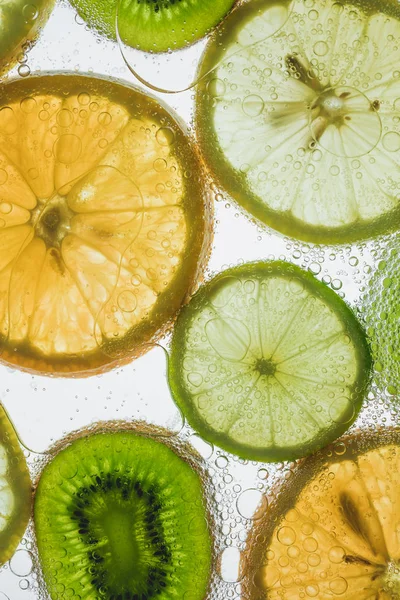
(15, 490)
(154, 25)
(120, 516)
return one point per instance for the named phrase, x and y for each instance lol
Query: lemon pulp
(301, 124)
(339, 534)
(100, 236)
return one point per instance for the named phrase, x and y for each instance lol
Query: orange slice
(334, 530)
(103, 222)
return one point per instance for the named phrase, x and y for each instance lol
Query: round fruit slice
(268, 363)
(20, 23)
(303, 128)
(120, 516)
(383, 320)
(156, 26)
(333, 532)
(15, 490)
(103, 222)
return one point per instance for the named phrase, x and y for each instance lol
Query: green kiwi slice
(154, 25)
(120, 516)
(15, 490)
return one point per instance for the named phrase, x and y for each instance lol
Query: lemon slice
(334, 530)
(103, 222)
(268, 363)
(20, 23)
(303, 127)
(15, 490)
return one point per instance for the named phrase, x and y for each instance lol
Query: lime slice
(20, 24)
(15, 490)
(382, 312)
(103, 222)
(303, 127)
(333, 529)
(268, 363)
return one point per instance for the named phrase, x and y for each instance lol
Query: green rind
(140, 27)
(319, 290)
(20, 483)
(135, 455)
(229, 179)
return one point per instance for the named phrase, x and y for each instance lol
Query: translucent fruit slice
(268, 363)
(382, 311)
(15, 490)
(333, 531)
(122, 516)
(303, 127)
(20, 23)
(103, 222)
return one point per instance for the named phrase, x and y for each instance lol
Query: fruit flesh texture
(102, 218)
(268, 363)
(131, 517)
(302, 127)
(154, 26)
(15, 490)
(20, 23)
(340, 534)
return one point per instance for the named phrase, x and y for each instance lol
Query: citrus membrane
(333, 531)
(163, 72)
(382, 312)
(15, 490)
(103, 222)
(20, 23)
(302, 128)
(268, 363)
(120, 515)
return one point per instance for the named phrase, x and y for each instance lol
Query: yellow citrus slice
(20, 23)
(103, 222)
(15, 490)
(334, 531)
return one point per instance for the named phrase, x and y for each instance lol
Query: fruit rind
(318, 289)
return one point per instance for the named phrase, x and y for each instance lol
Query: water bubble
(30, 13)
(65, 118)
(8, 121)
(104, 119)
(68, 470)
(252, 504)
(5, 208)
(391, 141)
(230, 565)
(253, 105)
(21, 564)
(321, 48)
(28, 105)
(24, 70)
(160, 165)
(286, 536)
(165, 136)
(127, 301)
(203, 448)
(221, 462)
(216, 87)
(83, 99)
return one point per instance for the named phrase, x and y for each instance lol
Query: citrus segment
(15, 490)
(333, 531)
(268, 363)
(302, 127)
(103, 222)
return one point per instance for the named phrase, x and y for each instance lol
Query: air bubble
(165, 136)
(67, 148)
(252, 504)
(83, 99)
(3, 176)
(230, 565)
(65, 118)
(127, 301)
(21, 564)
(391, 141)
(253, 105)
(321, 48)
(30, 13)
(216, 87)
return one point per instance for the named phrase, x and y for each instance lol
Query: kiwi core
(51, 220)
